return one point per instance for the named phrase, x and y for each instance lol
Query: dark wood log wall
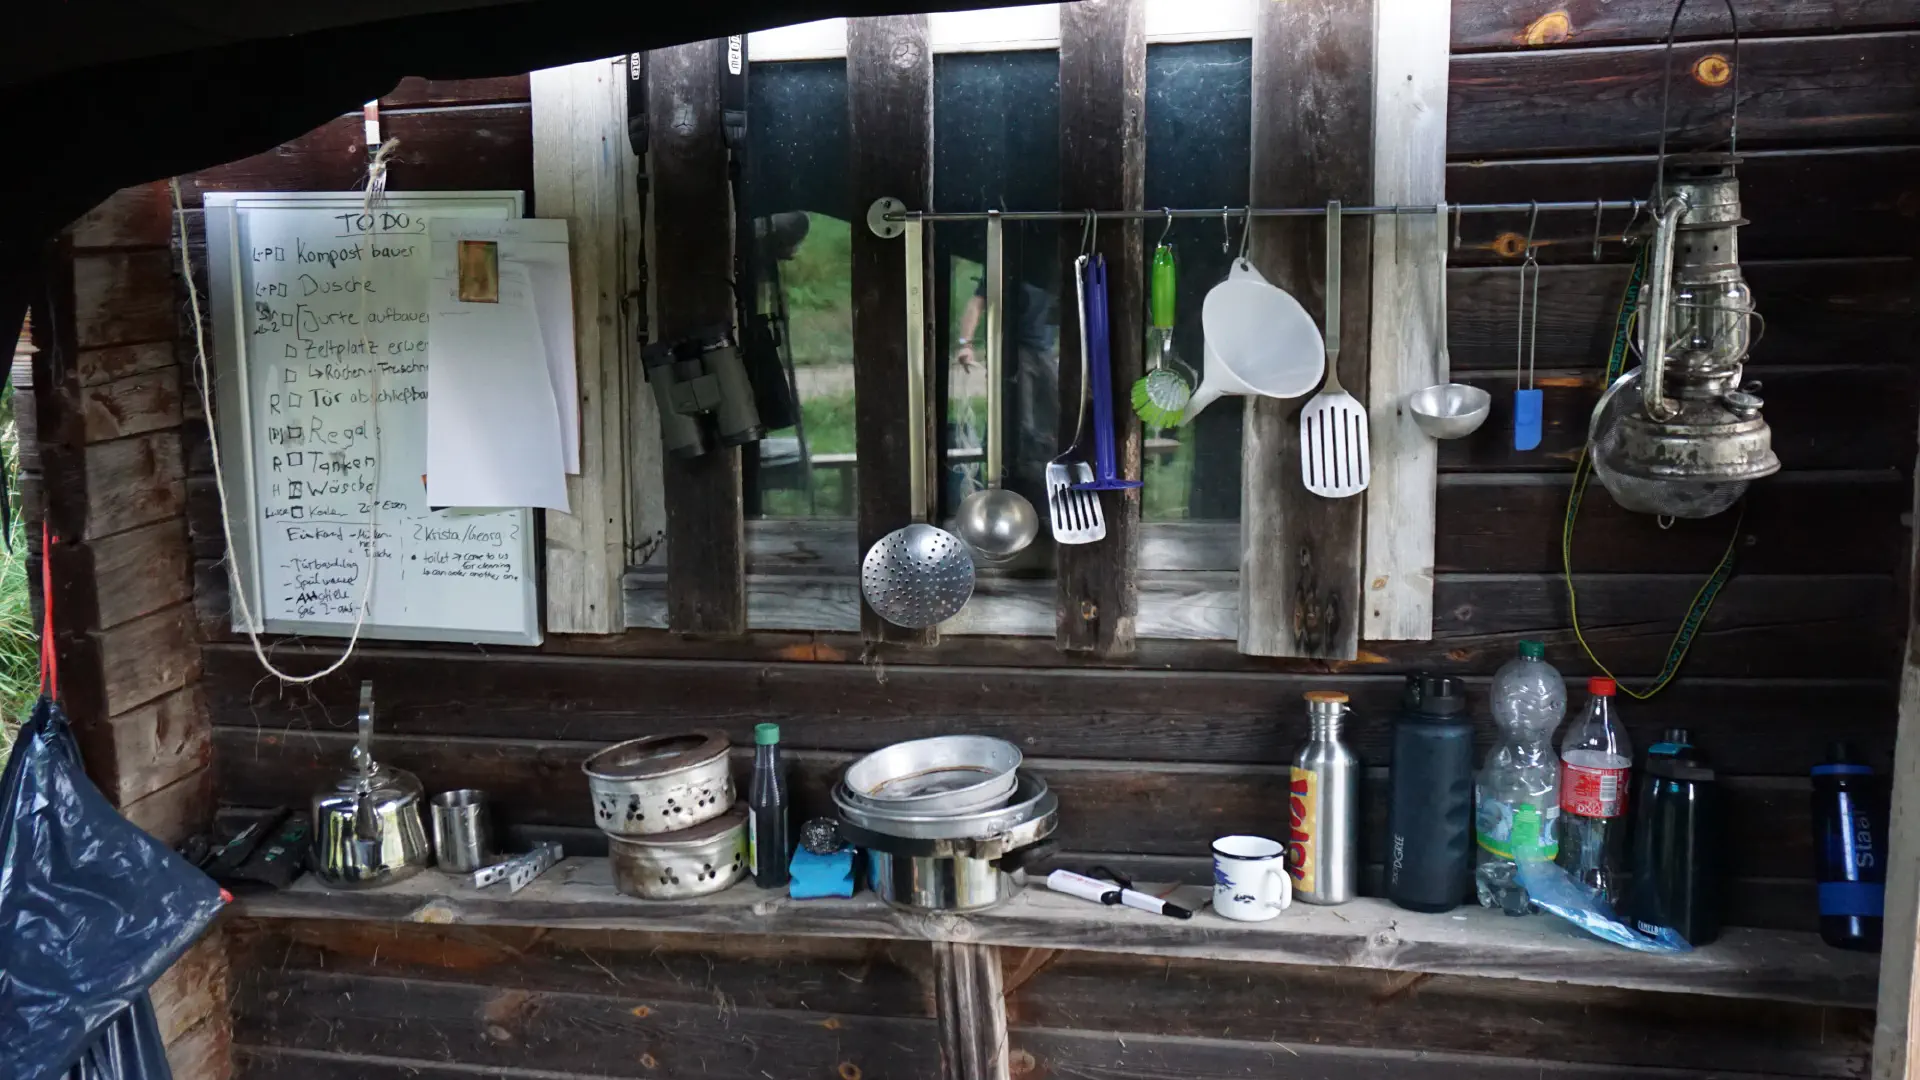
(1156, 753)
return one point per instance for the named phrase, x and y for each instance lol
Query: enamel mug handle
(1285, 890)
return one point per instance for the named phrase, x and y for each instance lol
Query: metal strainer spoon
(920, 575)
(996, 522)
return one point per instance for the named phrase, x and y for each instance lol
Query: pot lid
(389, 784)
(657, 755)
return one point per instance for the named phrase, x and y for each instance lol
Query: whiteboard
(319, 322)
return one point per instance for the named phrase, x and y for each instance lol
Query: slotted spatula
(1074, 515)
(1334, 459)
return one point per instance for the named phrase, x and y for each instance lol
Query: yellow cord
(1689, 626)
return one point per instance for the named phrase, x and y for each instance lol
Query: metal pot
(366, 827)
(949, 774)
(691, 862)
(948, 883)
(1030, 801)
(660, 784)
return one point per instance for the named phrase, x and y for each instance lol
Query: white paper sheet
(539, 244)
(493, 430)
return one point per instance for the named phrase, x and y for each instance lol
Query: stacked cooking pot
(666, 803)
(945, 820)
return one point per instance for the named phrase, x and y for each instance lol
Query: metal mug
(1250, 882)
(462, 833)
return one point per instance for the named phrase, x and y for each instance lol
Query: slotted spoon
(1334, 459)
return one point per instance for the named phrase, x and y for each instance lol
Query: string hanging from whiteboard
(376, 194)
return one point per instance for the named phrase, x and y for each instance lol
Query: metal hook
(1598, 205)
(1086, 234)
(1246, 231)
(1226, 231)
(1633, 218)
(1458, 209)
(1165, 229)
(1093, 216)
(1533, 218)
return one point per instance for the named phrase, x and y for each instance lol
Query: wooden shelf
(579, 894)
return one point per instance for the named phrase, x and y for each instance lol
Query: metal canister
(1323, 798)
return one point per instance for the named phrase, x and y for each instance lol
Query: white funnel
(1260, 341)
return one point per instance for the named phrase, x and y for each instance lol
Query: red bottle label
(1591, 792)
(1303, 827)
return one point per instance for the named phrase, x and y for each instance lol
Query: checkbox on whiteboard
(292, 375)
(295, 457)
(296, 512)
(296, 489)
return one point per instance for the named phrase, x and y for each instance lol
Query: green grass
(819, 285)
(19, 638)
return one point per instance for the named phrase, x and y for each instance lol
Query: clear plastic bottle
(1596, 760)
(1516, 797)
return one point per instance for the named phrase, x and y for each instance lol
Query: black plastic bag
(92, 911)
(129, 1049)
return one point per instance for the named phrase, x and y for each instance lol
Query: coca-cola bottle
(1595, 759)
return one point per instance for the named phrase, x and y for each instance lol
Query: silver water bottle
(1323, 799)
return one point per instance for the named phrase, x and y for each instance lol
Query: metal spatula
(1334, 458)
(1074, 515)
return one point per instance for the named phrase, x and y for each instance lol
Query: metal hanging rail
(896, 213)
(887, 217)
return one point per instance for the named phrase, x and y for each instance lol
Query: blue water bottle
(1850, 849)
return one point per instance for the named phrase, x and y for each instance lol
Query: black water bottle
(769, 844)
(1430, 812)
(1676, 843)
(1850, 838)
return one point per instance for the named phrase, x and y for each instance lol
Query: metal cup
(462, 840)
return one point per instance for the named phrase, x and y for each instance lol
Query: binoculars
(700, 384)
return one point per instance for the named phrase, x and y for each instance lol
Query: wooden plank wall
(1158, 752)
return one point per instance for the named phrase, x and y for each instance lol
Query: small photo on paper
(479, 272)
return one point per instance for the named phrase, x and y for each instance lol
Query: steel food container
(704, 859)
(1030, 800)
(660, 784)
(949, 774)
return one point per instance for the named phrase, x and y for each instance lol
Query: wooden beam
(584, 172)
(692, 227)
(1103, 163)
(1300, 584)
(971, 1008)
(1895, 1057)
(1410, 165)
(890, 144)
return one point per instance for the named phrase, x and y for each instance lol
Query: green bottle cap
(1533, 650)
(1163, 288)
(766, 734)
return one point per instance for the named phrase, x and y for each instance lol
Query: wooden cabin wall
(1155, 754)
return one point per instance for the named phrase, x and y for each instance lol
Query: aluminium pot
(948, 883)
(691, 862)
(947, 774)
(660, 784)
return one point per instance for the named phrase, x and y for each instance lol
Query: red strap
(49, 664)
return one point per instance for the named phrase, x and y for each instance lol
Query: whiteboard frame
(233, 404)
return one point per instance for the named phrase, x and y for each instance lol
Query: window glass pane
(797, 195)
(996, 145)
(1199, 125)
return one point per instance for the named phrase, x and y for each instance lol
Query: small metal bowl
(661, 783)
(1450, 410)
(948, 774)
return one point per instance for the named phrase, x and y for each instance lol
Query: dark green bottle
(769, 844)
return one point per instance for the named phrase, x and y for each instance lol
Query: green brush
(1161, 395)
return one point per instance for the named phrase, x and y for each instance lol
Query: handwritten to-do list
(335, 327)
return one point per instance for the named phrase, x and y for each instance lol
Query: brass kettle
(366, 827)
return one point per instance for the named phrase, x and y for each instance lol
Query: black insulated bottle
(1676, 842)
(1850, 839)
(1430, 815)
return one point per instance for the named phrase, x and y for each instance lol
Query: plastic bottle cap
(1599, 686)
(766, 734)
(1533, 650)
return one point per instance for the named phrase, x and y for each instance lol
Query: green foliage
(19, 638)
(819, 286)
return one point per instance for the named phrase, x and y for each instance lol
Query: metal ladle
(1447, 410)
(995, 522)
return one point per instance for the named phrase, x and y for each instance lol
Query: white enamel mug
(1250, 878)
